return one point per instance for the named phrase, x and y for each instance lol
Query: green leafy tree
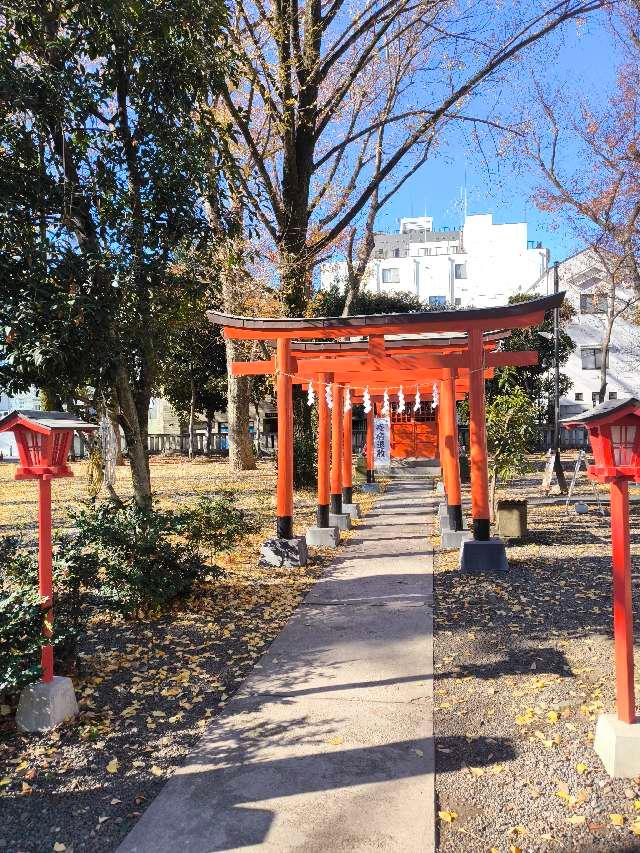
(107, 148)
(536, 381)
(193, 374)
(510, 434)
(330, 302)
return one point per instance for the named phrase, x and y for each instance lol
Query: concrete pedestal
(617, 744)
(483, 556)
(351, 509)
(341, 520)
(45, 705)
(323, 537)
(284, 552)
(450, 540)
(581, 508)
(370, 487)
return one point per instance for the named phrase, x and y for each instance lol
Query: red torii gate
(457, 365)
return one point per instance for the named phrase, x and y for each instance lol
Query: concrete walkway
(328, 746)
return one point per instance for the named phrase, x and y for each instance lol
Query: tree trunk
(209, 432)
(606, 340)
(241, 456)
(192, 421)
(135, 431)
(50, 400)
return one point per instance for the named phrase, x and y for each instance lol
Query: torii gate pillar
(348, 505)
(323, 535)
(482, 553)
(337, 517)
(284, 549)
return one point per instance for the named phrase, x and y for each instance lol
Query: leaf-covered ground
(524, 665)
(146, 689)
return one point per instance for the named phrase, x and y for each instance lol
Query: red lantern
(614, 434)
(43, 440)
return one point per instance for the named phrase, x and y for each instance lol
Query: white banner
(381, 443)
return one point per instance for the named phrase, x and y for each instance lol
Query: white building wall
(29, 400)
(583, 274)
(481, 265)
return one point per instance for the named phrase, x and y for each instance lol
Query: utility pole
(554, 463)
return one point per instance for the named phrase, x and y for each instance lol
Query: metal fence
(569, 438)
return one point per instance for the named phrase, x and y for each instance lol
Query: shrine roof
(47, 420)
(396, 342)
(496, 318)
(603, 412)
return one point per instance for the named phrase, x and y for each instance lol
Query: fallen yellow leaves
(112, 766)
(447, 816)
(335, 741)
(617, 819)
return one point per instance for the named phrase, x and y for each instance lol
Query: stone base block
(452, 539)
(440, 488)
(284, 552)
(45, 705)
(323, 537)
(443, 512)
(351, 509)
(617, 744)
(444, 523)
(370, 488)
(483, 556)
(341, 520)
(581, 508)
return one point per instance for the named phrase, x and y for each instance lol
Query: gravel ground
(146, 689)
(523, 666)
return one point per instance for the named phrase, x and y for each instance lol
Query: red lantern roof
(43, 422)
(43, 440)
(614, 435)
(605, 413)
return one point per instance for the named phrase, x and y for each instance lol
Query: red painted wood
(324, 429)
(284, 490)
(477, 430)
(450, 454)
(622, 601)
(369, 449)
(336, 440)
(347, 452)
(45, 581)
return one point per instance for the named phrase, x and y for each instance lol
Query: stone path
(328, 745)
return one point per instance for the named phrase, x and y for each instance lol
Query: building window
(613, 395)
(396, 253)
(592, 303)
(422, 252)
(460, 271)
(579, 397)
(436, 301)
(592, 358)
(458, 301)
(595, 397)
(379, 253)
(391, 275)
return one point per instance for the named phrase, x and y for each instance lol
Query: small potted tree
(510, 433)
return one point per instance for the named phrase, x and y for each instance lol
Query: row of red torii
(364, 357)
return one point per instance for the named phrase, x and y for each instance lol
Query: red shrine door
(414, 435)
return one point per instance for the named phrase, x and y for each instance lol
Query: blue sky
(581, 61)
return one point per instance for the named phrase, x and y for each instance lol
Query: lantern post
(614, 435)
(43, 440)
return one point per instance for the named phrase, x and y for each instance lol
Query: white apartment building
(584, 279)
(481, 264)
